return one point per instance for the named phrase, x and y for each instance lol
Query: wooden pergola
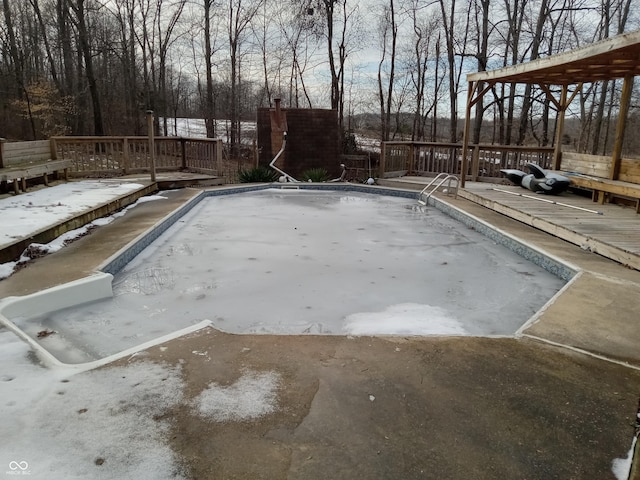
(613, 58)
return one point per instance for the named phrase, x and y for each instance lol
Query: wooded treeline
(96, 66)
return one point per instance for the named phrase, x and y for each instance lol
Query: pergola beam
(614, 57)
(609, 59)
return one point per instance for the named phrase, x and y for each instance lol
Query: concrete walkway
(534, 407)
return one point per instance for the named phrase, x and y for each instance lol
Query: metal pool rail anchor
(443, 177)
(546, 200)
(286, 176)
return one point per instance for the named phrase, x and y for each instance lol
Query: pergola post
(557, 143)
(465, 136)
(625, 99)
(471, 101)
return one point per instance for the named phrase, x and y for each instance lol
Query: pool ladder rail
(423, 197)
(285, 177)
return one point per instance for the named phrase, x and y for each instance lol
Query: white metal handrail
(443, 177)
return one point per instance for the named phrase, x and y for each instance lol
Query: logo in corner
(18, 468)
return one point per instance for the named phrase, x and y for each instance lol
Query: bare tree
(165, 32)
(389, 30)
(80, 20)
(482, 29)
(125, 17)
(209, 50)
(455, 46)
(297, 31)
(17, 61)
(618, 11)
(424, 32)
(240, 16)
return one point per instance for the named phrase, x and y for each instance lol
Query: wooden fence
(431, 158)
(108, 156)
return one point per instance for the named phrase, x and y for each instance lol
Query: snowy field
(195, 128)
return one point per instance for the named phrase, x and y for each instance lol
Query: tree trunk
(13, 50)
(85, 48)
(448, 22)
(208, 52)
(482, 57)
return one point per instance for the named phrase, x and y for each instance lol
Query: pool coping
(98, 286)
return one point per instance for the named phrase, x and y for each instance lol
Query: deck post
(475, 163)
(53, 149)
(218, 156)
(412, 159)
(183, 152)
(625, 99)
(2, 142)
(557, 150)
(125, 156)
(465, 137)
(152, 149)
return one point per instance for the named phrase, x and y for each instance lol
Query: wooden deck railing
(107, 156)
(430, 158)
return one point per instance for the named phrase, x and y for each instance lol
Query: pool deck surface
(560, 401)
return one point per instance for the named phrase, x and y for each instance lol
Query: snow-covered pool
(306, 262)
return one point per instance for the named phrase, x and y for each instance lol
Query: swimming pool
(308, 261)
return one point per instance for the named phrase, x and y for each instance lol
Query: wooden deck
(610, 230)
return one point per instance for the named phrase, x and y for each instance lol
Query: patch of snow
(151, 198)
(196, 128)
(252, 396)
(100, 424)
(621, 467)
(44, 211)
(404, 319)
(6, 269)
(25, 214)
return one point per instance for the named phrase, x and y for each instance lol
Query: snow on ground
(106, 423)
(195, 128)
(404, 319)
(252, 396)
(621, 467)
(101, 424)
(24, 215)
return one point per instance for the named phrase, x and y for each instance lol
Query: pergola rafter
(613, 58)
